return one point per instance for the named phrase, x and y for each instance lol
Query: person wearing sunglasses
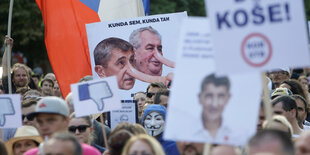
(82, 128)
(28, 106)
(153, 88)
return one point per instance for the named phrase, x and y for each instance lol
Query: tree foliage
(27, 29)
(193, 7)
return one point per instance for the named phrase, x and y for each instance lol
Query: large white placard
(167, 25)
(258, 35)
(128, 113)
(10, 111)
(232, 108)
(96, 96)
(309, 27)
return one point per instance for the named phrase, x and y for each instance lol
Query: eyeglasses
(81, 128)
(149, 95)
(28, 117)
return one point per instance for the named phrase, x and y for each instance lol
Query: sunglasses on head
(27, 116)
(81, 128)
(149, 95)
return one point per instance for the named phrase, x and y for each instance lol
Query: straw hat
(23, 133)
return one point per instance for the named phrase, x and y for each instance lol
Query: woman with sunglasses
(82, 128)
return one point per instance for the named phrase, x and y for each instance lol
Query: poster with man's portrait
(204, 106)
(137, 51)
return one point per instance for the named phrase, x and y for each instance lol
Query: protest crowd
(50, 125)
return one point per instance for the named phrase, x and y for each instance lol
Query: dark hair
(217, 81)
(121, 134)
(160, 92)
(117, 141)
(47, 80)
(102, 52)
(273, 135)
(288, 103)
(3, 150)
(29, 102)
(296, 88)
(69, 137)
(156, 85)
(302, 99)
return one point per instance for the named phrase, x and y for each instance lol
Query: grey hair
(69, 137)
(135, 39)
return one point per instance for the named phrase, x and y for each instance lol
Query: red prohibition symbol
(256, 50)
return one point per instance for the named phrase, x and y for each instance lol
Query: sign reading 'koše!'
(259, 35)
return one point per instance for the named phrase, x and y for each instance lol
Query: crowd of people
(50, 127)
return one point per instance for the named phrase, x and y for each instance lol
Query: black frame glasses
(81, 128)
(28, 117)
(149, 95)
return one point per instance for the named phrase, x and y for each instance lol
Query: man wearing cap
(278, 76)
(281, 92)
(153, 121)
(52, 116)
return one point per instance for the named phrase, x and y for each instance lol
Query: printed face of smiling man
(213, 97)
(147, 42)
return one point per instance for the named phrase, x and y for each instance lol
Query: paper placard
(258, 35)
(10, 111)
(201, 101)
(147, 57)
(96, 96)
(128, 113)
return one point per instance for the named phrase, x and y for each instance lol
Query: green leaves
(193, 7)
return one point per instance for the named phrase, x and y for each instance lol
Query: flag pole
(8, 47)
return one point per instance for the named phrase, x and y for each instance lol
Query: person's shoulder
(33, 151)
(89, 150)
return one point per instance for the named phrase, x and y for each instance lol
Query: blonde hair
(24, 67)
(151, 141)
(279, 119)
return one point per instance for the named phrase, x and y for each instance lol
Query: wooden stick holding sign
(266, 98)
(207, 149)
(2, 135)
(104, 133)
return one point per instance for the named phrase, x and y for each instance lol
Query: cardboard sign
(258, 35)
(201, 100)
(309, 27)
(10, 111)
(154, 50)
(128, 113)
(96, 96)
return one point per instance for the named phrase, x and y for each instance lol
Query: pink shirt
(87, 150)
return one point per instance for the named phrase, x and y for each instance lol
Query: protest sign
(309, 27)
(95, 96)
(154, 42)
(201, 100)
(258, 35)
(128, 113)
(10, 111)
